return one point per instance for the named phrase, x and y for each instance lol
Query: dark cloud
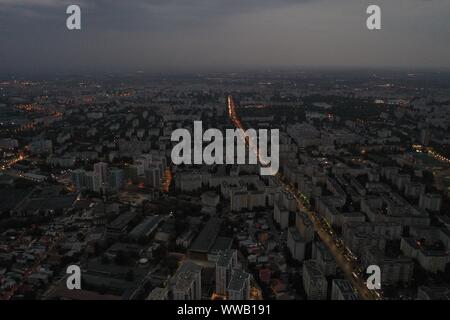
(159, 34)
(119, 14)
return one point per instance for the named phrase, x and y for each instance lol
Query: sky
(190, 35)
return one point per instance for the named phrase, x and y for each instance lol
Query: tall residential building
(186, 284)
(93, 181)
(430, 201)
(116, 179)
(281, 214)
(8, 143)
(158, 294)
(153, 176)
(239, 286)
(132, 173)
(41, 146)
(226, 262)
(78, 178)
(296, 244)
(101, 169)
(143, 161)
(425, 137)
(393, 270)
(314, 281)
(304, 226)
(342, 290)
(414, 189)
(324, 258)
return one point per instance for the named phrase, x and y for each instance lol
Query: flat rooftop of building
(346, 289)
(148, 225)
(10, 197)
(51, 203)
(122, 220)
(207, 237)
(238, 279)
(225, 257)
(221, 243)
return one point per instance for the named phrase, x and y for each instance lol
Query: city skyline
(93, 204)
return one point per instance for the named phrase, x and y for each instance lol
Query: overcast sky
(158, 35)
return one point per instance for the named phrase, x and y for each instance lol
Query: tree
(130, 275)
(171, 263)
(122, 258)
(105, 259)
